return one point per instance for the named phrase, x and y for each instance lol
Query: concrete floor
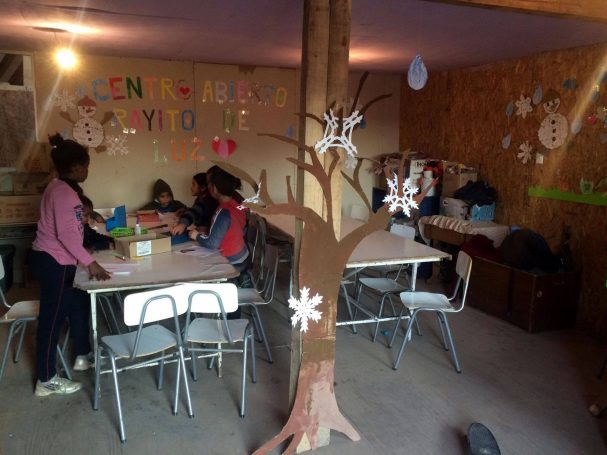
(532, 391)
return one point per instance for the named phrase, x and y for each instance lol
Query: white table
(378, 248)
(156, 270)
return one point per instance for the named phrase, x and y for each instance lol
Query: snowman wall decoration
(87, 131)
(554, 128)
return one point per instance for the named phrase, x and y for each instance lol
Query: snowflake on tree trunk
(116, 144)
(404, 202)
(330, 139)
(64, 100)
(304, 309)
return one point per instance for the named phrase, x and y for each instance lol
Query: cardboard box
(20, 209)
(143, 245)
(455, 208)
(453, 182)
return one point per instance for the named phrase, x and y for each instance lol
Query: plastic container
(137, 227)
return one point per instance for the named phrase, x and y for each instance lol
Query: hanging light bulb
(66, 58)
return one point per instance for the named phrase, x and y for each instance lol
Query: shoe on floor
(84, 362)
(58, 385)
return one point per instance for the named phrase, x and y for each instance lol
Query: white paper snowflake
(304, 309)
(523, 106)
(64, 100)
(396, 201)
(116, 144)
(251, 200)
(525, 154)
(345, 140)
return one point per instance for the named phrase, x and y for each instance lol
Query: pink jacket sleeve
(68, 222)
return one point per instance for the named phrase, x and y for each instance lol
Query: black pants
(58, 300)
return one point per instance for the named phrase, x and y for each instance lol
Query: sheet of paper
(198, 251)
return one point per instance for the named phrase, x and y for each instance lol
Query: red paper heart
(223, 148)
(185, 91)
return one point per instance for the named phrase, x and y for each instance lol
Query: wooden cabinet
(533, 302)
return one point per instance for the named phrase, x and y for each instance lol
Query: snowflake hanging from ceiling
(345, 140)
(64, 100)
(251, 200)
(116, 144)
(525, 154)
(396, 201)
(304, 308)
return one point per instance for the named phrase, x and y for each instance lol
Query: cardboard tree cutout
(322, 260)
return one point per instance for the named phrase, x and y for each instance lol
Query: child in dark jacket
(201, 213)
(163, 199)
(93, 241)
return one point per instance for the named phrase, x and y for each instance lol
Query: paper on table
(199, 251)
(122, 267)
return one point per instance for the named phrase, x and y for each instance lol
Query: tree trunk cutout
(322, 260)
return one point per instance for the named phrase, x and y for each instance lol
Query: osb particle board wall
(462, 116)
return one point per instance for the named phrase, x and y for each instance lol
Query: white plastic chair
(252, 298)
(218, 300)
(414, 302)
(141, 309)
(17, 316)
(384, 286)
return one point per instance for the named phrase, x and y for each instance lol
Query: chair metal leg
(161, 371)
(253, 360)
(349, 306)
(261, 330)
(405, 339)
(66, 368)
(185, 382)
(22, 327)
(379, 315)
(118, 403)
(177, 382)
(450, 337)
(419, 331)
(397, 325)
(9, 338)
(243, 379)
(194, 358)
(442, 331)
(96, 392)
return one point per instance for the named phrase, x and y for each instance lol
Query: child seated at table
(93, 241)
(163, 201)
(202, 211)
(227, 228)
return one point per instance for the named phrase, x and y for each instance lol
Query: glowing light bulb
(66, 58)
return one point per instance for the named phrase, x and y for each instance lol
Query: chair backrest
(269, 269)
(210, 298)
(403, 230)
(152, 306)
(463, 268)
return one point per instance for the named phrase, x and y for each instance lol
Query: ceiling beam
(593, 10)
